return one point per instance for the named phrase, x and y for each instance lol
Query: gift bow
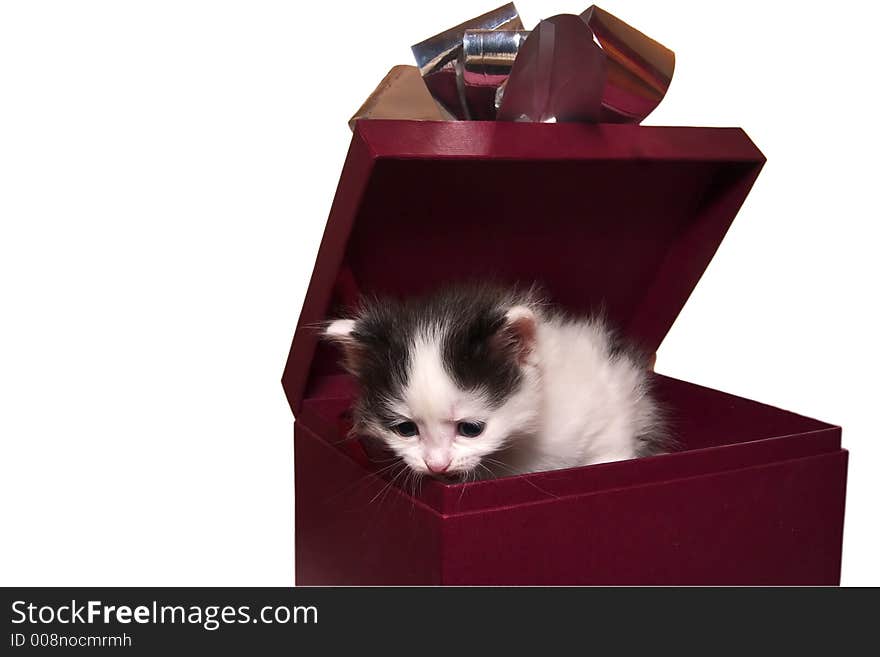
(592, 67)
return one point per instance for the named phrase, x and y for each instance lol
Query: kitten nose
(437, 467)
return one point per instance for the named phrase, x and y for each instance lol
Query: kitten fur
(548, 390)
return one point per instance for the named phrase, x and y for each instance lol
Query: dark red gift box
(619, 217)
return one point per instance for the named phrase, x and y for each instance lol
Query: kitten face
(445, 382)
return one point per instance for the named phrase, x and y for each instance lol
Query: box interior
(629, 238)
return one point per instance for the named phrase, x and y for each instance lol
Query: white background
(166, 169)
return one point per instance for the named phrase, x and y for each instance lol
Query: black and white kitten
(479, 380)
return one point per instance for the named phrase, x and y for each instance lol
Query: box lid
(618, 218)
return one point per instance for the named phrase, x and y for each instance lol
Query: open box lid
(618, 218)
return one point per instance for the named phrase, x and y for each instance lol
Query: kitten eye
(470, 429)
(406, 429)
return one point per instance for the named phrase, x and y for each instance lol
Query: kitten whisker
(391, 486)
(463, 485)
(389, 482)
(362, 480)
(524, 477)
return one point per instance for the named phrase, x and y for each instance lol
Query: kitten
(478, 381)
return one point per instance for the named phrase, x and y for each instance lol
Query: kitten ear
(341, 332)
(518, 334)
(339, 329)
